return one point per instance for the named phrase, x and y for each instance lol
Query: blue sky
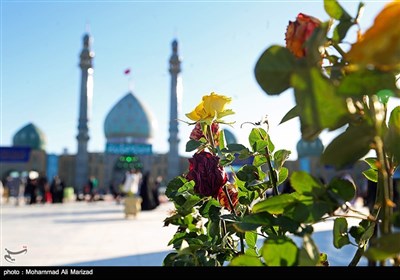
(219, 43)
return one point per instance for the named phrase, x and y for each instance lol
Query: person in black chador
(57, 190)
(146, 193)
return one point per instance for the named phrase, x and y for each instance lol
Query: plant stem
(271, 169)
(357, 256)
(210, 136)
(224, 188)
(339, 49)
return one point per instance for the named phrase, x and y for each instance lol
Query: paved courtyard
(84, 233)
(97, 234)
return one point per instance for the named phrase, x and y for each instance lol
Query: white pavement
(97, 234)
(84, 233)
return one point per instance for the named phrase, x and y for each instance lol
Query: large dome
(30, 136)
(129, 121)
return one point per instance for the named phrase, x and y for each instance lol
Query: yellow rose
(380, 45)
(211, 108)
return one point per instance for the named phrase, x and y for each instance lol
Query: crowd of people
(34, 188)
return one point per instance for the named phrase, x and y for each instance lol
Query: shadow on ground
(148, 259)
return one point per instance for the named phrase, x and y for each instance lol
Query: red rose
(208, 175)
(298, 32)
(233, 194)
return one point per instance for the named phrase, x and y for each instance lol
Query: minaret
(173, 155)
(86, 93)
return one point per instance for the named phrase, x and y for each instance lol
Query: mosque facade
(129, 131)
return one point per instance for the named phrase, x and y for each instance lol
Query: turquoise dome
(309, 148)
(230, 138)
(30, 136)
(129, 121)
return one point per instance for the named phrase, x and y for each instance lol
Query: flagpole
(127, 72)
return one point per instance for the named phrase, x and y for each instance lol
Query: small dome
(30, 136)
(129, 121)
(309, 148)
(230, 138)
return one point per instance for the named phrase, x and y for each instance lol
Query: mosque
(129, 130)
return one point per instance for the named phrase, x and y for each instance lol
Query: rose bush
(220, 218)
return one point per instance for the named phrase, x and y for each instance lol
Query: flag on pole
(127, 71)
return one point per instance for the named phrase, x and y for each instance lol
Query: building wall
(37, 162)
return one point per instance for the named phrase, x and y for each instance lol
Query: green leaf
(275, 204)
(309, 254)
(170, 259)
(214, 212)
(213, 228)
(385, 247)
(174, 185)
(192, 145)
(305, 184)
(221, 142)
(367, 82)
(188, 186)
(317, 103)
(251, 238)
(273, 69)
(371, 174)
(177, 238)
(260, 146)
(340, 31)
(227, 159)
(356, 232)
(292, 113)
(363, 232)
(259, 160)
(344, 150)
(235, 148)
(335, 10)
(287, 224)
(279, 251)
(283, 174)
(318, 209)
(369, 232)
(340, 236)
(247, 173)
(204, 209)
(245, 260)
(299, 212)
(393, 135)
(371, 161)
(252, 222)
(252, 252)
(280, 157)
(344, 188)
(259, 139)
(256, 135)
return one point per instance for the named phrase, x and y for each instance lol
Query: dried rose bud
(233, 194)
(298, 32)
(197, 133)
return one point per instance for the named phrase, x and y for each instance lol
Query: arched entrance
(123, 164)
